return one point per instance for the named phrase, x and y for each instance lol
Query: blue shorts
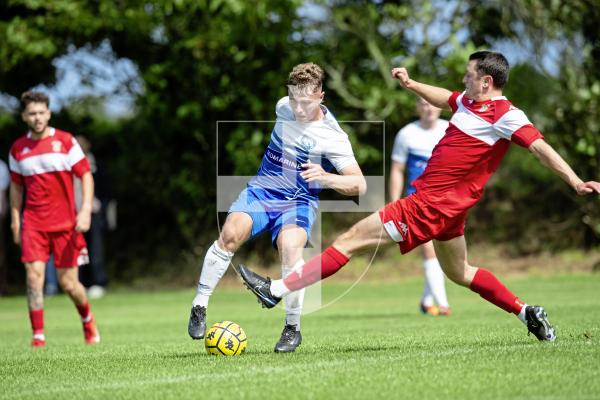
(270, 212)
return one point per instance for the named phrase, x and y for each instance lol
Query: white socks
(292, 301)
(521, 315)
(427, 298)
(215, 264)
(434, 282)
(278, 288)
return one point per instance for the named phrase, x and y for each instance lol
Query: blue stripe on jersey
(415, 165)
(281, 175)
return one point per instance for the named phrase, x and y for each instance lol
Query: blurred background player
(50, 278)
(283, 196)
(412, 149)
(93, 275)
(482, 127)
(4, 185)
(42, 165)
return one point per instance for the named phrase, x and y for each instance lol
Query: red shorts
(68, 247)
(411, 222)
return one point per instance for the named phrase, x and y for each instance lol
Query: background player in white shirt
(282, 198)
(412, 149)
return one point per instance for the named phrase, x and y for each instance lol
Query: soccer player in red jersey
(483, 125)
(42, 165)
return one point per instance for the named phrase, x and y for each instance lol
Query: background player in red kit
(42, 164)
(483, 125)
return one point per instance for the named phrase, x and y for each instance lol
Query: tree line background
(196, 62)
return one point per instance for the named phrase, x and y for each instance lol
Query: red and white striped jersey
(45, 168)
(475, 142)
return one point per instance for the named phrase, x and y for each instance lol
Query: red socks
(317, 268)
(491, 289)
(84, 311)
(37, 321)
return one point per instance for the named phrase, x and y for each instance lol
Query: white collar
(52, 131)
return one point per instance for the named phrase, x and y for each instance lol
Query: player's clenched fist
(402, 75)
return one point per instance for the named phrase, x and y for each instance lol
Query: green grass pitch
(372, 343)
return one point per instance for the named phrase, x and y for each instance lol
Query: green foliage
(205, 62)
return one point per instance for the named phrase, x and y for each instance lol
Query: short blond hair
(306, 74)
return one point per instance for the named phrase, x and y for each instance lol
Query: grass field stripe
(369, 359)
(478, 353)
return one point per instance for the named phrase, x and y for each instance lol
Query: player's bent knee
(68, 285)
(458, 277)
(231, 239)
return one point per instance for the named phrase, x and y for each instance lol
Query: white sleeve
(14, 165)
(75, 153)
(511, 122)
(400, 150)
(283, 110)
(341, 155)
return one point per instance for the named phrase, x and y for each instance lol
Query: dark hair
(306, 74)
(34, 97)
(493, 64)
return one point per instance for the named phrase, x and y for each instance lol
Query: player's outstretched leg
(538, 324)
(319, 267)
(453, 256)
(260, 286)
(364, 235)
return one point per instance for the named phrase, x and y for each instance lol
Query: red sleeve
(81, 167)
(452, 101)
(526, 135)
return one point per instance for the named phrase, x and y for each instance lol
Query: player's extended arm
(16, 204)
(350, 181)
(434, 95)
(551, 159)
(396, 183)
(84, 216)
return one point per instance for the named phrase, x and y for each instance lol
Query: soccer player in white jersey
(42, 165)
(412, 149)
(482, 127)
(282, 198)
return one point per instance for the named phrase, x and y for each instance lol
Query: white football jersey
(415, 140)
(293, 144)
